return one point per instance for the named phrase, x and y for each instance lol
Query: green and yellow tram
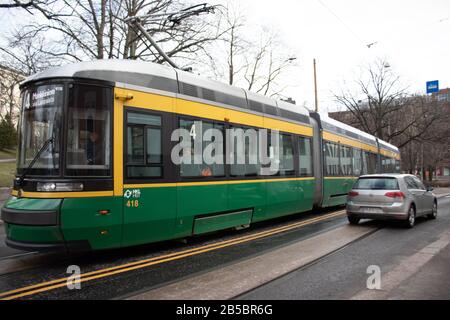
(95, 171)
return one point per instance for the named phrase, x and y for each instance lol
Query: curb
(442, 195)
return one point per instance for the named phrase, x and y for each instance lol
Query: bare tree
(386, 110)
(253, 63)
(382, 96)
(31, 6)
(80, 30)
(414, 123)
(266, 66)
(97, 29)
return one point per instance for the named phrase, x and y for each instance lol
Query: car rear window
(376, 184)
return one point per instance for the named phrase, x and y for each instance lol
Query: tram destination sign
(432, 86)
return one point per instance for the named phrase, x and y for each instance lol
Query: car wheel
(433, 214)
(411, 220)
(353, 220)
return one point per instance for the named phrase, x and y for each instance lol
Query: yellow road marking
(59, 283)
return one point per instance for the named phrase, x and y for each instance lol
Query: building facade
(9, 92)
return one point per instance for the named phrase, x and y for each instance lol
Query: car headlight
(59, 186)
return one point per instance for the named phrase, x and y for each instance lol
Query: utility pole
(316, 104)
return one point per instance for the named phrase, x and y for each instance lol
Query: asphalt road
(340, 275)
(125, 284)
(343, 274)
(5, 251)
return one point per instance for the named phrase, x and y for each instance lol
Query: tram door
(149, 203)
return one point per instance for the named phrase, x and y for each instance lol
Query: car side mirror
(430, 189)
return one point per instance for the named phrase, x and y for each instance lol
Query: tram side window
(243, 148)
(305, 157)
(357, 162)
(144, 146)
(89, 131)
(286, 155)
(346, 160)
(384, 164)
(388, 164)
(371, 163)
(203, 154)
(392, 165)
(364, 162)
(397, 166)
(332, 159)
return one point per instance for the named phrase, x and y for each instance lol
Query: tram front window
(89, 132)
(40, 122)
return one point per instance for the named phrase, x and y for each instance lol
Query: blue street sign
(432, 86)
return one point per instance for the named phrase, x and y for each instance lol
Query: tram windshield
(83, 113)
(89, 131)
(41, 121)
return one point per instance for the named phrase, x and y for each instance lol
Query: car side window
(410, 183)
(419, 184)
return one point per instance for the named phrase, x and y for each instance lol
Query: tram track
(144, 263)
(18, 255)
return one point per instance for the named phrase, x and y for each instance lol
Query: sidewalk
(424, 275)
(441, 192)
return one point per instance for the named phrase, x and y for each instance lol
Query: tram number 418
(132, 203)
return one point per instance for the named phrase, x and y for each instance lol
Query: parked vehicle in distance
(390, 196)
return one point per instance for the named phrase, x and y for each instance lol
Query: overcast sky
(412, 35)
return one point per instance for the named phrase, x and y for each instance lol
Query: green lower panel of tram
(33, 234)
(151, 214)
(335, 190)
(78, 220)
(222, 221)
(98, 220)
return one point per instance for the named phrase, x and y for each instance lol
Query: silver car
(390, 196)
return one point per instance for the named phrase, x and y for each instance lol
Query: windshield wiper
(37, 156)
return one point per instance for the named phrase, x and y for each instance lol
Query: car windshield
(41, 121)
(376, 183)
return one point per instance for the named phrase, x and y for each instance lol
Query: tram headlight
(59, 186)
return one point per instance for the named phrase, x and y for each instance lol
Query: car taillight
(396, 194)
(353, 194)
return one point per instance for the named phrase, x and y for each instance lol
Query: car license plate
(371, 210)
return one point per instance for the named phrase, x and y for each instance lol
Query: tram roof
(388, 146)
(164, 78)
(336, 126)
(93, 69)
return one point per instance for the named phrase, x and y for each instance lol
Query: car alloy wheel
(433, 215)
(411, 217)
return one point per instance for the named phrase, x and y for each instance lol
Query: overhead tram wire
(418, 30)
(343, 23)
(369, 45)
